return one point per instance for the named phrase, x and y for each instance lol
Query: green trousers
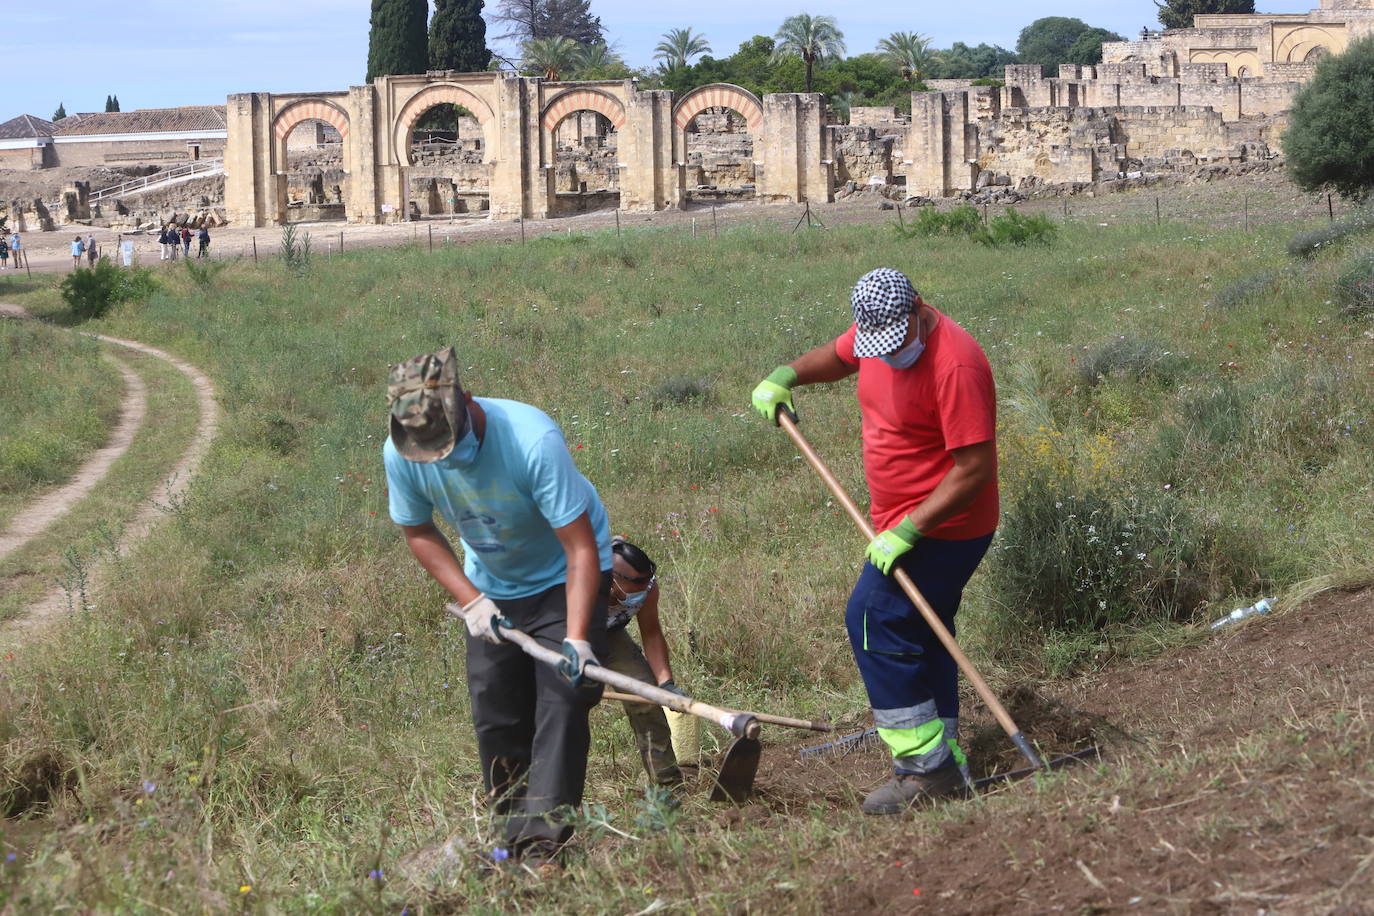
(648, 723)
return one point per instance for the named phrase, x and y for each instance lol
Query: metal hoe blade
(735, 779)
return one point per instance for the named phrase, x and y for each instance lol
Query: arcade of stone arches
(519, 118)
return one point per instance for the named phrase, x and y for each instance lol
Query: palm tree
(550, 56)
(811, 38)
(680, 45)
(842, 102)
(594, 61)
(909, 52)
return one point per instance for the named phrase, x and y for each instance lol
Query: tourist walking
(78, 249)
(17, 251)
(4, 254)
(92, 252)
(204, 236)
(186, 241)
(165, 240)
(536, 556)
(928, 405)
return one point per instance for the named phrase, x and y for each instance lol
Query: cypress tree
(397, 42)
(60, 113)
(458, 37)
(116, 104)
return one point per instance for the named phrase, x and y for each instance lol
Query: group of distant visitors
(171, 238)
(86, 248)
(14, 245)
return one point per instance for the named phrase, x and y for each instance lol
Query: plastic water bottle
(1263, 606)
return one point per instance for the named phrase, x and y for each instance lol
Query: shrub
(1091, 557)
(91, 293)
(988, 81)
(681, 389)
(203, 271)
(1355, 288)
(1329, 142)
(295, 250)
(962, 220)
(1013, 228)
(1310, 242)
(1133, 358)
(1247, 290)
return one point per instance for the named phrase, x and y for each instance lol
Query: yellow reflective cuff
(914, 742)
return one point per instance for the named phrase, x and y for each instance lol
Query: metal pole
(431, 238)
(522, 230)
(340, 241)
(617, 224)
(1158, 217)
(1330, 208)
(694, 227)
(1247, 212)
(788, 422)
(255, 249)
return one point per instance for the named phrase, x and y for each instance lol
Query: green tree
(60, 113)
(1330, 138)
(116, 103)
(1048, 41)
(960, 61)
(458, 37)
(812, 38)
(1087, 47)
(551, 57)
(679, 46)
(599, 62)
(1178, 14)
(398, 41)
(909, 52)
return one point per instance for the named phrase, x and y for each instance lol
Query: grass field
(60, 400)
(267, 713)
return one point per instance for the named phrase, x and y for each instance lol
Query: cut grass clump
(1249, 290)
(677, 390)
(1015, 228)
(962, 220)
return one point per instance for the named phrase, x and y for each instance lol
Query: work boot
(914, 790)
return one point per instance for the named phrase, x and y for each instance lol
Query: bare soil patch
(1246, 785)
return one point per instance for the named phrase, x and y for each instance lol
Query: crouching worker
(667, 740)
(536, 556)
(929, 411)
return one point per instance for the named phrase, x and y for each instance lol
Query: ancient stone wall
(129, 151)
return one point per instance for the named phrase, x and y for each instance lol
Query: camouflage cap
(428, 413)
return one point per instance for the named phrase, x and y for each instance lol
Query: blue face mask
(464, 452)
(634, 601)
(906, 357)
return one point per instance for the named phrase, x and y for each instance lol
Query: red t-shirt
(913, 418)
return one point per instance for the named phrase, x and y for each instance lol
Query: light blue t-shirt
(506, 504)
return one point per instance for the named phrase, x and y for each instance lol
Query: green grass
(65, 553)
(61, 399)
(277, 664)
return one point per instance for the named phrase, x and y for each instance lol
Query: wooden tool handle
(761, 716)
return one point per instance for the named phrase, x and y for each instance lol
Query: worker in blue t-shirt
(536, 556)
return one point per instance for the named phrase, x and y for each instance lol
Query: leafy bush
(1013, 228)
(203, 271)
(1355, 288)
(1132, 358)
(1329, 142)
(91, 293)
(988, 81)
(962, 220)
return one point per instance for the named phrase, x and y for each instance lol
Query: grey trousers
(532, 732)
(650, 725)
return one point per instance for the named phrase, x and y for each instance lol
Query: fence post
(255, 249)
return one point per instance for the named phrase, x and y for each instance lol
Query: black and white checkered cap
(883, 300)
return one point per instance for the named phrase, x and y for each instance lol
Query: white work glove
(577, 655)
(482, 617)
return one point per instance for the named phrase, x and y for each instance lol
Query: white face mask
(905, 357)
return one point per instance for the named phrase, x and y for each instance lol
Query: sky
(164, 53)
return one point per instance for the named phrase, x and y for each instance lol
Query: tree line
(562, 39)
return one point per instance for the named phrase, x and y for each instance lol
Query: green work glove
(884, 549)
(775, 391)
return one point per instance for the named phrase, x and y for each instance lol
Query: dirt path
(50, 507)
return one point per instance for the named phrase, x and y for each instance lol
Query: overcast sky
(162, 53)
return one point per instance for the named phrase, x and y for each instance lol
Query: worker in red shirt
(929, 411)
